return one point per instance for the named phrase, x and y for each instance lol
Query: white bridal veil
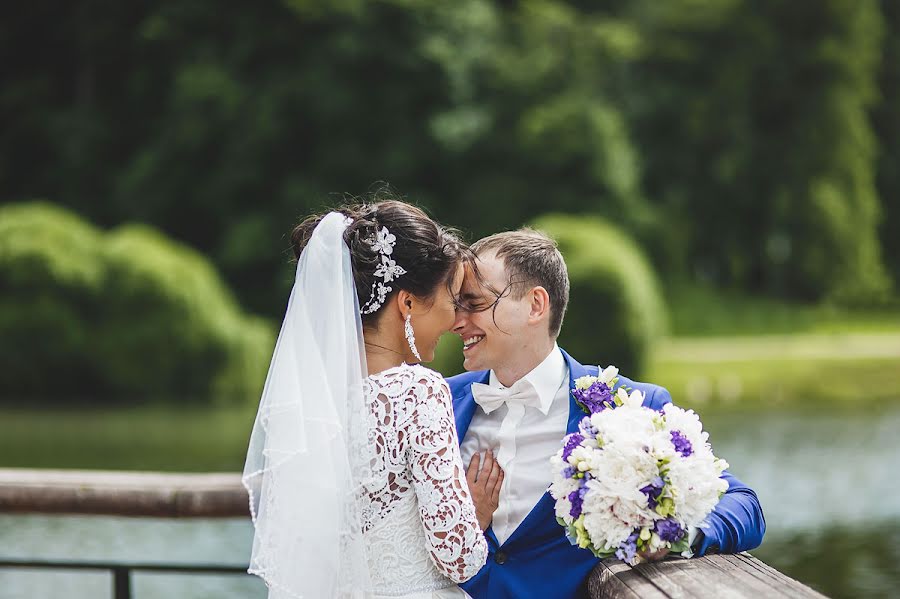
(309, 455)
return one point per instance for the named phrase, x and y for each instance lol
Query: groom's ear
(539, 305)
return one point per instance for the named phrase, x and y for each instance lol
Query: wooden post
(121, 583)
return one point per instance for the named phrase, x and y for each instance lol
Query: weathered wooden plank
(122, 493)
(682, 578)
(788, 585)
(613, 579)
(715, 576)
(747, 576)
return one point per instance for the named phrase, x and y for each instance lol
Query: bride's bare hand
(485, 479)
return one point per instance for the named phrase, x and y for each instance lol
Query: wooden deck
(221, 495)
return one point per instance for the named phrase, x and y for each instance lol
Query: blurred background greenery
(722, 176)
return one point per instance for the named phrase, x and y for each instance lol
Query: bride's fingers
(474, 464)
(495, 495)
(493, 477)
(488, 464)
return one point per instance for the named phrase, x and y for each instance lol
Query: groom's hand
(484, 481)
(654, 556)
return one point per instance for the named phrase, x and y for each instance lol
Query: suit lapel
(464, 407)
(576, 371)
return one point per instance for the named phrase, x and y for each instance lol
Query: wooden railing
(162, 495)
(221, 495)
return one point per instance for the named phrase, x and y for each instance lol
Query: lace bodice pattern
(419, 521)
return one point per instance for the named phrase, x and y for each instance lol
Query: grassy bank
(772, 370)
(131, 438)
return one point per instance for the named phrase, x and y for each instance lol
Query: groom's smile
(471, 342)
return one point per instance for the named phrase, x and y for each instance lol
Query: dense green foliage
(615, 309)
(754, 125)
(887, 126)
(122, 315)
(749, 144)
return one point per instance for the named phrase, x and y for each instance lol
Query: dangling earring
(410, 337)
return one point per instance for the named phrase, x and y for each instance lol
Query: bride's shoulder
(408, 375)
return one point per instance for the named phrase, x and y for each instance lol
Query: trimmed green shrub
(616, 311)
(119, 315)
(51, 275)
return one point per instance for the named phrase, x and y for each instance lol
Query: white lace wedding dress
(419, 522)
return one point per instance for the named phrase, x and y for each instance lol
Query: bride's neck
(382, 352)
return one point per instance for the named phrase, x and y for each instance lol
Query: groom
(515, 400)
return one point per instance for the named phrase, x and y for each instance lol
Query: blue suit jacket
(538, 561)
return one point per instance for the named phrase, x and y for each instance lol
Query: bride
(356, 484)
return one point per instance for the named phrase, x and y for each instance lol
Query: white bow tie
(521, 393)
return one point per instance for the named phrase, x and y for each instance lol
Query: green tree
(731, 136)
(886, 119)
(758, 150)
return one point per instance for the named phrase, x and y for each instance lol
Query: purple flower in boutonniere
(595, 398)
(594, 393)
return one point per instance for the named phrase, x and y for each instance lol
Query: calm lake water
(827, 481)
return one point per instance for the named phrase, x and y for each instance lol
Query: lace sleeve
(457, 545)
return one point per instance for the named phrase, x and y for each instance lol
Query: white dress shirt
(524, 433)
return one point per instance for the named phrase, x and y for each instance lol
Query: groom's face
(491, 323)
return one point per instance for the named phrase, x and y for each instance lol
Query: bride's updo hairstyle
(427, 251)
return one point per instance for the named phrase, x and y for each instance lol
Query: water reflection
(126, 539)
(827, 480)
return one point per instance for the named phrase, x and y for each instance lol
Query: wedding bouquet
(632, 478)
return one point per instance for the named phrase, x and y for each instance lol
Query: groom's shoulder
(460, 382)
(655, 396)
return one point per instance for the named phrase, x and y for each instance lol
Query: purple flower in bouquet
(681, 443)
(576, 498)
(628, 548)
(668, 530)
(572, 441)
(653, 491)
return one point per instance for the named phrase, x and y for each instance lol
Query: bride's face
(433, 318)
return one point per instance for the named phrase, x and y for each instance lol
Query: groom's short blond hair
(532, 259)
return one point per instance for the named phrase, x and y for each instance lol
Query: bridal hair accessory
(388, 269)
(411, 337)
